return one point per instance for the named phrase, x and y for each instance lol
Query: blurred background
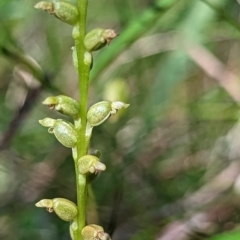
(173, 157)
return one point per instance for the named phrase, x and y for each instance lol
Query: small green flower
(63, 104)
(63, 131)
(64, 11)
(101, 111)
(65, 209)
(90, 164)
(94, 232)
(98, 38)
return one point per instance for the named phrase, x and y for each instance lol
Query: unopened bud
(88, 58)
(63, 104)
(65, 209)
(90, 164)
(98, 38)
(65, 11)
(63, 131)
(101, 111)
(93, 232)
(73, 229)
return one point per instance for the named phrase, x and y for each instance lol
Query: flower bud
(64, 105)
(75, 32)
(73, 228)
(101, 111)
(65, 11)
(93, 232)
(65, 209)
(63, 131)
(90, 164)
(98, 38)
(98, 113)
(74, 58)
(88, 58)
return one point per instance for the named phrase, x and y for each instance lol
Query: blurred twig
(42, 174)
(211, 196)
(115, 210)
(212, 190)
(20, 115)
(32, 94)
(38, 74)
(202, 224)
(144, 47)
(216, 70)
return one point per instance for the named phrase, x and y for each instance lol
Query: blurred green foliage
(172, 157)
(232, 235)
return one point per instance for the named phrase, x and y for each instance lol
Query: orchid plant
(77, 134)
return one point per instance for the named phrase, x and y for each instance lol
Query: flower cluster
(67, 133)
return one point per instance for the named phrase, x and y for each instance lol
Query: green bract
(65, 11)
(65, 209)
(63, 131)
(63, 104)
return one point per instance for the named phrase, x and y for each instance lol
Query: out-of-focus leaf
(233, 235)
(134, 30)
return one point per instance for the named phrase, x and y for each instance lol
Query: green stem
(83, 72)
(82, 145)
(81, 182)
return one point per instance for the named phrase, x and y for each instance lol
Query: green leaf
(233, 235)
